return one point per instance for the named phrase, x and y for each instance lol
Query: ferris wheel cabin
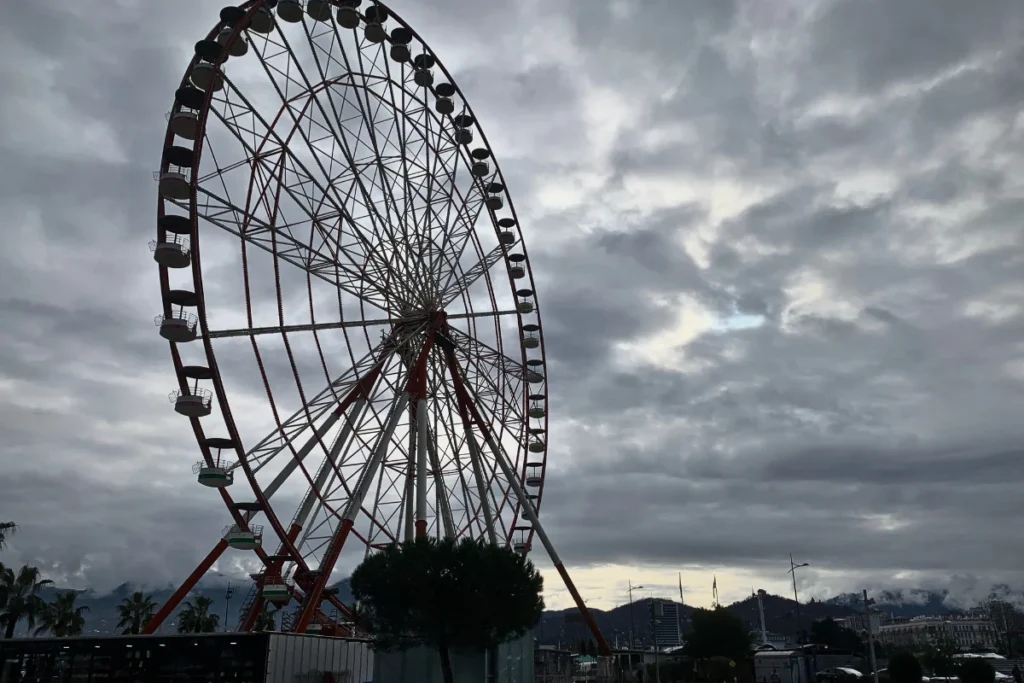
(244, 539)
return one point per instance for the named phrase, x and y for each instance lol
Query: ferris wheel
(372, 287)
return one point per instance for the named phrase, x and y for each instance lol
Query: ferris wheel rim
(222, 395)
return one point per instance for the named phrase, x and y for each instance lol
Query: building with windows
(861, 622)
(667, 631)
(965, 634)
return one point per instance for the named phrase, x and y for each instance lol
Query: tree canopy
(718, 633)
(938, 658)
(135, 612)
(904, 668)
(265, 620)
(976, 671)
(61, 617)
(828, 632)
(447, 595)
(6, 529)
(19, 597)
(195, 616)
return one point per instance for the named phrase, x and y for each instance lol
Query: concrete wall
(423, 665)
(293, 658)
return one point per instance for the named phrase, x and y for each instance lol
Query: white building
(965, 634)
(860, 622)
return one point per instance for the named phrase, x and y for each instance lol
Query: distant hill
(779, 615)
(564, 626)
(917, 602)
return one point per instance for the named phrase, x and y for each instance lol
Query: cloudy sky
(777, 246)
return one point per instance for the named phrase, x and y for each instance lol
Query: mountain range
(563, 626)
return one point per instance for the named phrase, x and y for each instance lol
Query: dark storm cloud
(778, 256)
(874, 44)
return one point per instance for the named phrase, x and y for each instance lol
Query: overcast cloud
(778, 251)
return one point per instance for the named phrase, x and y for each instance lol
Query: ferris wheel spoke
(338, 117)
(502, 423)
(474, 450)
(335, 489)
(442, 493)
(354, 500)
(310, 327)
(257, 155)
(457, 283)
(298, 190)
(352, 508)
(471, 346)
(456, 445)
(444, 146)
(329, 468)
(281, 244)
(305, 417)
(494, 471)
(459, 440)
(369, 124)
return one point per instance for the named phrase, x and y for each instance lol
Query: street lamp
(632, 637)
(792, 570)
(227, 603)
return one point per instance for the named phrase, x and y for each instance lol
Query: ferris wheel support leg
(474, 447)
(356, 398)
(421, 464)
(409, 495)
(311, 601)
(481, 486)
(328, 467)
(466, 403)
(184, 588)
(442, 498)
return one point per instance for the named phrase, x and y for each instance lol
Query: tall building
(666, 626)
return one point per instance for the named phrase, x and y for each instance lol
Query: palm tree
(19, 597)
(6, 529)
(61, 617)
(135, 613)
(195, 616)
(265, 621)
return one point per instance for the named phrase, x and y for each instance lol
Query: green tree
(720, 668)
(975, 671)
(904, 668)
(6, 529)
(447, 595)
(265, 620)
(61, 617)
(19, 597)
(135, 612)
(828, 632)
(938, 657)
(195, 616)
(717, 633)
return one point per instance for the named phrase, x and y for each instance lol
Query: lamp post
(792, 570)
(227, 602)
(632, 636)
